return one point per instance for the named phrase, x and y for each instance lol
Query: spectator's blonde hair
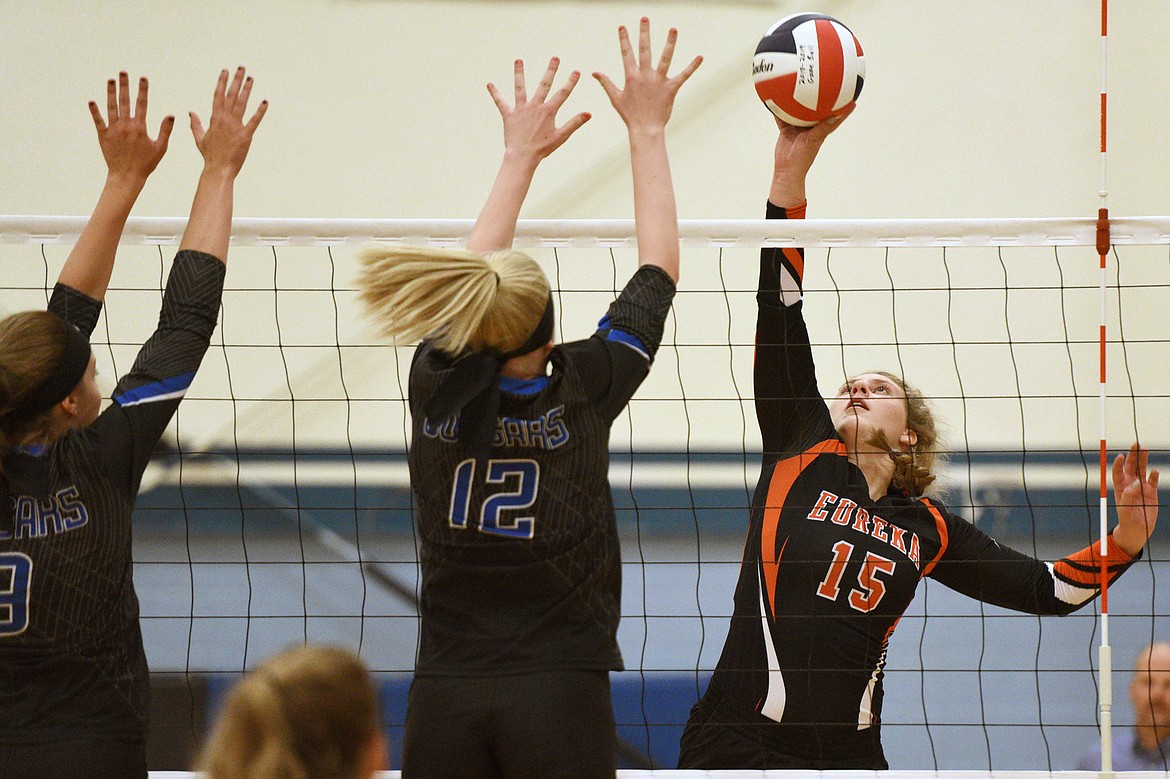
(456, 298)
(308, 713)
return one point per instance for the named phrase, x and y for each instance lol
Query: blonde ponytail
(455, 298)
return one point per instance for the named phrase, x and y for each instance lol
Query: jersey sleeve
(76, 308)
(789, 408)
(615, 361)
(146, 398)
(976, 565)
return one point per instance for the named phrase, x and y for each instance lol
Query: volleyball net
(279, 511)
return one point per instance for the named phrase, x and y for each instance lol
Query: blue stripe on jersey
(622, 337)
(523, 386)
(174, 387)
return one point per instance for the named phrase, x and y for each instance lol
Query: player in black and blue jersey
(521, 571)
(841, 533)
(73, 675)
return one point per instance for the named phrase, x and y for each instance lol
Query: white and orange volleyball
(807, 68)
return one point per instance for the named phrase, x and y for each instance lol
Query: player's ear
(908, 439)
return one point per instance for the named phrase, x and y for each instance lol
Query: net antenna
(1105, 659)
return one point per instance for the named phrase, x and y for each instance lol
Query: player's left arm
(530, 135)
(131, 155)
(978, 566)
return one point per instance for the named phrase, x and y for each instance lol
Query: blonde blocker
(308, 713)
(913, 469)
(31, 345)
(456, 298)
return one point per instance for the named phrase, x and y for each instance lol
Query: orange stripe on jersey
(1084, 567)
(943, 535)
(783, 477)
(795, 257)
(796, 260)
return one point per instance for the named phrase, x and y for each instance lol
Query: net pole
(1105, 659)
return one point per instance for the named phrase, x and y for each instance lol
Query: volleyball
(808, 67)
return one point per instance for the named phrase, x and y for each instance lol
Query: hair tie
(470, 390)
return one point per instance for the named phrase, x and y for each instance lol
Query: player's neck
(878, 468)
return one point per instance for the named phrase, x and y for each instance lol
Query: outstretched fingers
(667, 52)
(98, 121)
(254, 122)
(562, 94)
(520, 93)
(644, 53)
(546, 81)
(123, 95)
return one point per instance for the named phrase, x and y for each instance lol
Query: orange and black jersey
(521, 569)
(827, 572)
(72, 664)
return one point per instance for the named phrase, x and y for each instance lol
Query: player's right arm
(131, 156)
(787, 398)
(530, 135)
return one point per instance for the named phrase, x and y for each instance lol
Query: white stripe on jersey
(777, 696)
(1070, 593)
(789, 288)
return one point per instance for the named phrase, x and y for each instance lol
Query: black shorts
(543, 724)
(93, 758)
(714, 739)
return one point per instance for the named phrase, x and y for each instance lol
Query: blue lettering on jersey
(847, 511)
(548, 431)
(448, 432)
(40, 517)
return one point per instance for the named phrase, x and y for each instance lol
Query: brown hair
(31, 345)
(454, 297)
(307, 713)
(913, 469)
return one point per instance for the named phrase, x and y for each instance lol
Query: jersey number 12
(520, 477)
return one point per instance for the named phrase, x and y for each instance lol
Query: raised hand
(530, 128)
(796, 150)
(646, 100)
(225, 142)
(126, 145)
(1136, 494)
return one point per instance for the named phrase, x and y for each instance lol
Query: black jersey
(71, 658)
(521, 569)
(827, 572)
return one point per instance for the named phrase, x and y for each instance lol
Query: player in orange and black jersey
(521, 571)
(840, 535)
(73, 675)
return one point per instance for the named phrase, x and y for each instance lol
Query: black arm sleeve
(76, 308)
(978, 566)
(146, 398)
(789, 408)
(615, 361)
